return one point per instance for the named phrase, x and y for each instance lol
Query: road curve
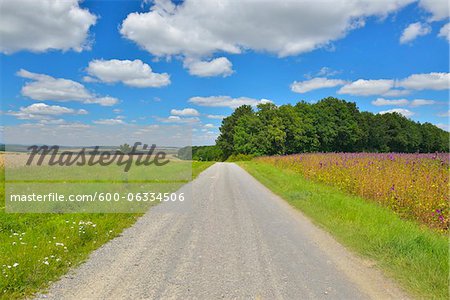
(233, 239)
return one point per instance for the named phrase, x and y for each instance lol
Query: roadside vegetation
(414, 186)
(37, 249)
(414, 255)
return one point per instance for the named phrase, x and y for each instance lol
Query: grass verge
(36, 249)
(417, 258)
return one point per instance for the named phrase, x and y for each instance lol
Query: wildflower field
(415, 186)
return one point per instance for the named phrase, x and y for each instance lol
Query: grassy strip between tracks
(417, 258)
(36, 249)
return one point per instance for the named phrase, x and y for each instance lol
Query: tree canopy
(330, 125)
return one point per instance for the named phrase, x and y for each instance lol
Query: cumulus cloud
(134, 73)
(363, 87)
(217, 117)
(439, 9)
(184, 112)
(422, 102)
(326, 71)
(314, 84)
(445, 32)
(385, 102)
(206, 26)
(44, 87)
(116, 121)
(396, 93)
(202, 28)
(413, 31)
(103, 101)
(220, 66)
(42, 111)
(403, 111)
(402, 102)
(178, 119)
(43, 25)
(427, 81)
(226, 101)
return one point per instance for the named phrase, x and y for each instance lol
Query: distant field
(414, 186)
(39, 248)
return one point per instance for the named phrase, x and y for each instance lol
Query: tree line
(330, 125)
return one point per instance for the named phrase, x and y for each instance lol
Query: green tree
(225, 140)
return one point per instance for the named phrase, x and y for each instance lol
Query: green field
(416, 257)
(37, 249)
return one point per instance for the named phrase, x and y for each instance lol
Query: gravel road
(235, 240)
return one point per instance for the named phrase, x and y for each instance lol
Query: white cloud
(413, 31)
(439, 9)
(363, 87)
(314, 84)
(384, 87)
(395, 88)
(402, 102)
(445, 32)
(103, 101)
(429, 81)
(44, 25)
(421, 102)
(184, 112)
(178, 119)
(209, 125)
(44, 87)
(109, 122)
(204, 27)
(42, 111)
(326, 71)
(220, 66)
(134, 73)
(396, 93)
(226, 101)
(217, 117)
(395, 102)
(403, 111)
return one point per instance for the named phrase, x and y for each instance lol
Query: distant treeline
(330, 125)
(201, 153)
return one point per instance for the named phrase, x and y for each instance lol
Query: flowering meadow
(415, 186)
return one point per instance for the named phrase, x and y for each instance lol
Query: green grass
(417, 258)
(45, 246)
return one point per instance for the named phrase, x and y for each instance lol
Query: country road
(233, 239)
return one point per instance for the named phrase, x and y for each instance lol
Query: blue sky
(119, 63)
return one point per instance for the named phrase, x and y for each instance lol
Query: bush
(240, 157)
